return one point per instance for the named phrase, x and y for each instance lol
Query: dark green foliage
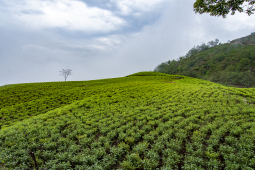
(230, 64)
(223, 7)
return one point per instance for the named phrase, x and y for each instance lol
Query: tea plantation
(142, 121)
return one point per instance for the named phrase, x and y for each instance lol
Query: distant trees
(243, 64)
(161, 67)
(232, 64)
(66, 73)
(202, 47)
(213, 43)
(171, 67)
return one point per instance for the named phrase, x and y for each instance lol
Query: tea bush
(137, 122)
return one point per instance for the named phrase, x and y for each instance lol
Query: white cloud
(239, 21)
(110, 42)
(41, 54)
(94, 45)
(67, 14)
(127, 7)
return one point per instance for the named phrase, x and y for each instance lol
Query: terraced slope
(142, 121)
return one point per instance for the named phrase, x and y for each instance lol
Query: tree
(66, 73)
(162, 67)
(213, 43)
(223, 7)
(210, 44)
(216, 42)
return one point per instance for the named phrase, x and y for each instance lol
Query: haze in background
(102, 38)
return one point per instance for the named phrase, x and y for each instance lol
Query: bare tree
(66, 73)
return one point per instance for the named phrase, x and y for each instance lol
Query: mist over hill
(230, 63)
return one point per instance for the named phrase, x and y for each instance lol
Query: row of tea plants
(139, 122)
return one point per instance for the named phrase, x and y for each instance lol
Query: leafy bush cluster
(139, 122)
(26, 100)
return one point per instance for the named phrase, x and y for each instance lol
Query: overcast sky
(102, 38)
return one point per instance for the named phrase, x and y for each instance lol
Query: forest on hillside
(230, 63)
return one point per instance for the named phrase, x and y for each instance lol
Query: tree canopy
(223, 7)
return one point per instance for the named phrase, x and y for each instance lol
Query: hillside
(232, 64)
(250, 39)
(146, 120)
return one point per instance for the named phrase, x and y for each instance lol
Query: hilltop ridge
(231, 64)
(249, 39)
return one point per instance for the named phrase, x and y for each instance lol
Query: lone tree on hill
(66, 73)
(223, 7)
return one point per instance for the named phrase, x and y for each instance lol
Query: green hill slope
(231, 63)
(142, 121)
(250, 39)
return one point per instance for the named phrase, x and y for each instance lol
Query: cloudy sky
(102, 38)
